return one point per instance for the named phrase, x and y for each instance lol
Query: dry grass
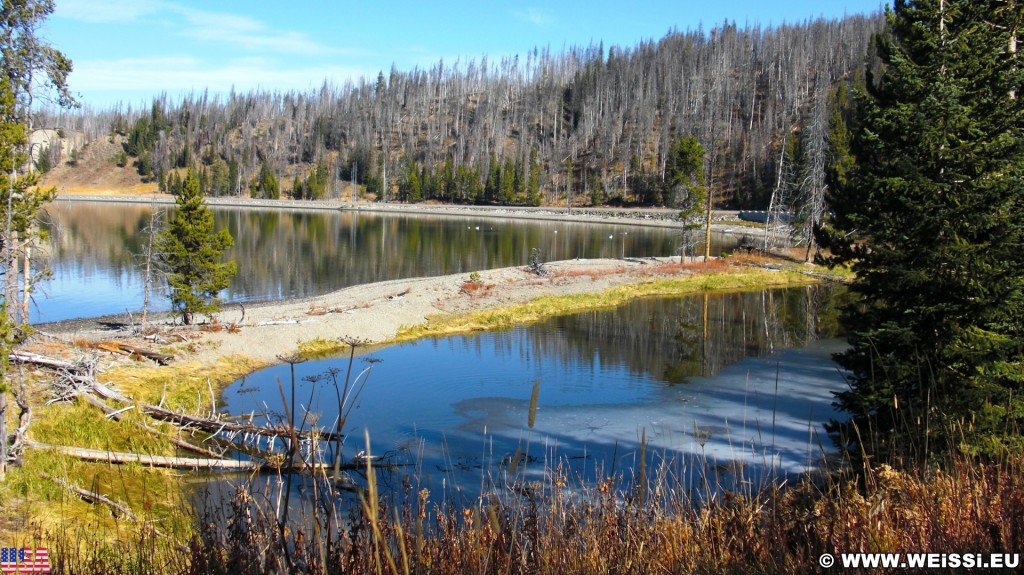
(557, 527)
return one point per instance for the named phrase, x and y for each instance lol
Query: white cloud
(106, 11)
(183, 74)
(245, 33)
(223, 28)
(535, 16)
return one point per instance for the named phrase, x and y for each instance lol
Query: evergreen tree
(506, 183)
(191, 251)
(684, 186)
(684, 176)
(316, 182)
(447, 184)
(492, 186)
(534, 197)
(410, 188)
(266, 185)
(21, 198)
(28, 63)
(930, 218)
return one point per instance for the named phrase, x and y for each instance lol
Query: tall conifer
(192, 251)
(930, 217)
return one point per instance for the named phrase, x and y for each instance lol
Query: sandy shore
(373, 312)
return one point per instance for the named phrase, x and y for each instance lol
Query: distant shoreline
(648, 217)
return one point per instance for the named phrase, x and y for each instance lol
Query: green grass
(44, 510)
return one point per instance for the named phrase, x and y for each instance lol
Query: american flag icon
(24, 560)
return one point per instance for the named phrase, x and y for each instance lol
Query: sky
(131, 50)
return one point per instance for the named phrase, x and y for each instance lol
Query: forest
(591, 125)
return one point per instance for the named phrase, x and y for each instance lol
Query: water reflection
(97, 269)
(725, 378)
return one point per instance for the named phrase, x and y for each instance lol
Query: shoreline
(723, 221)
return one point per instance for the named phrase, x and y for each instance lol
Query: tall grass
(559, 526)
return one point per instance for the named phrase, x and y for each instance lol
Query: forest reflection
(96, 248)
(679, 338)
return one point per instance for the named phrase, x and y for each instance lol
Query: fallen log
(116, 415)
(78, 374)
(148, 460)
(132, 350)
(207, 424)
(43, 361)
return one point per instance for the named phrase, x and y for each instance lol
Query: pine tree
(316, 182)
(410, 188)
(534, 197)
(930, 218)
(684, 185)
(266, 185)
(191, 251)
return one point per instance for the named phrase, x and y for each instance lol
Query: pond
(738, 382)
(96, 251)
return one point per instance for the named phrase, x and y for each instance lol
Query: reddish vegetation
(475, 289)
(593, 274)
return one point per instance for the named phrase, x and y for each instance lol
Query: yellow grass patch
(725, 279)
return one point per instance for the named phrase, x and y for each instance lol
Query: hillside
(593, 125)
(95, 171)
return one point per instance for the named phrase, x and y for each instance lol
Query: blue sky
(130, 50)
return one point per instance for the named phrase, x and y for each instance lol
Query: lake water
(96, 248)
(728, 382)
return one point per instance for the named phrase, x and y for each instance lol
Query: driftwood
(85, 380)
(205, 423)
(285, 322)
(42, 361)
(116, 415)
(121, 457)
(75, 373)
(398, 295)
(134, 351)
(147, 460)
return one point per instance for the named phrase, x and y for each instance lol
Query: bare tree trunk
(773, 202)
(27, 281)
(148, 284)
(707, 232)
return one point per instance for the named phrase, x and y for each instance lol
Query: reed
(650, 525)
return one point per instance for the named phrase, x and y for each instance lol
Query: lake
(734, 383)
(96, 251)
